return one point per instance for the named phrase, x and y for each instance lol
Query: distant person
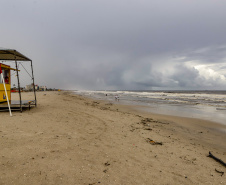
(6, 79)
(116, 98)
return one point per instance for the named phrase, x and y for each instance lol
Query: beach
(72, 139)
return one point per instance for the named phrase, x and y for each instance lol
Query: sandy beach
(70, 139)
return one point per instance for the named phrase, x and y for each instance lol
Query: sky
(120, 44)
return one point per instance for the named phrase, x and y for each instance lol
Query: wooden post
(18, 84)
(33, 83)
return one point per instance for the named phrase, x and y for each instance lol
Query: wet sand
(207, 113)
(70, 139)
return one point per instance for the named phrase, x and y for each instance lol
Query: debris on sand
(153, 142)
(216, 159)
(107, 164)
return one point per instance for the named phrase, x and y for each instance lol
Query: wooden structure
(6, 73)
(13, 55)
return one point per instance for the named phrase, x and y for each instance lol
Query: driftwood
(222, 173)
(217, 159)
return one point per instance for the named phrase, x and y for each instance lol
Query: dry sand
(69, 139)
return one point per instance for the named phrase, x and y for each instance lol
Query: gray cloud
(120, 44)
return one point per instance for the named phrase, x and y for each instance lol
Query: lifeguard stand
(13, 55)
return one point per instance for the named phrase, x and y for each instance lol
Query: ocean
(206, 105)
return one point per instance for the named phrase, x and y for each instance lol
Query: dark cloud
(119, 44)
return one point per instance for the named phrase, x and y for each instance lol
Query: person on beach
(6, 79)
(116, 98)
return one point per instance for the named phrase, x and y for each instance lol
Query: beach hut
(5, 83)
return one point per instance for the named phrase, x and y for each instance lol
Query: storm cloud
(129, 44)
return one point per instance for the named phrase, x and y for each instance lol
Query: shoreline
(72, 139)
(209, 112)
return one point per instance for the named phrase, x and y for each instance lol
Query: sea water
(207, 105)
